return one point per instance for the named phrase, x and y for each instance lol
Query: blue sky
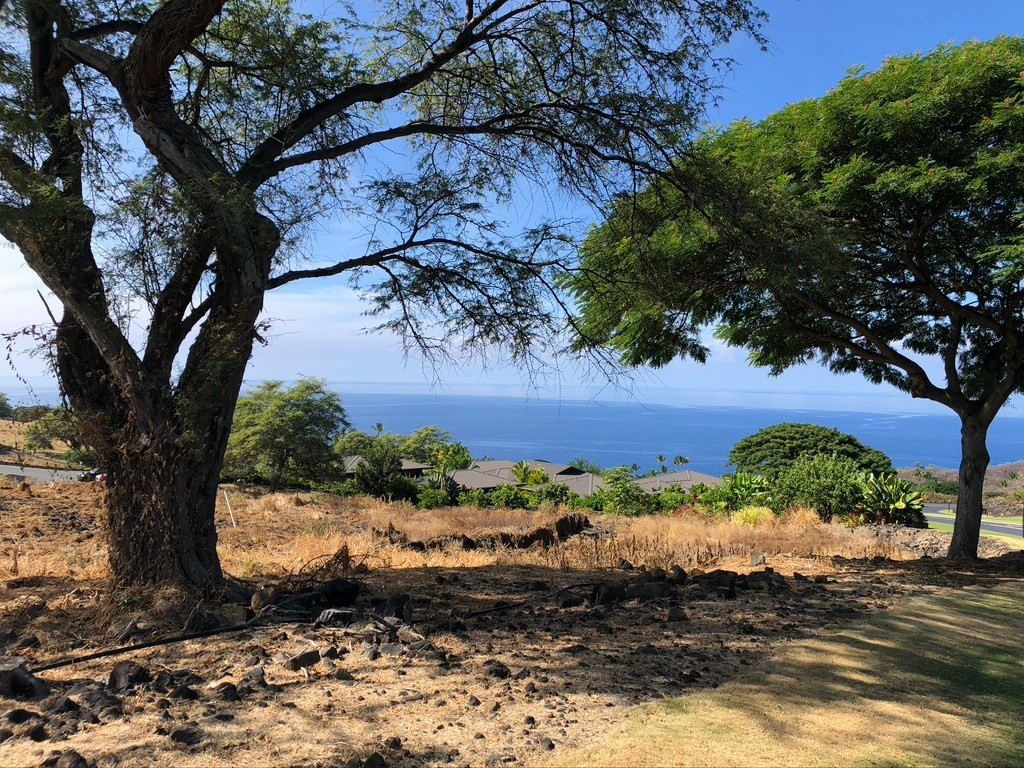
(317, 330)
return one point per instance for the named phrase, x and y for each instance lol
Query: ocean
(623, 433)
(618, 433)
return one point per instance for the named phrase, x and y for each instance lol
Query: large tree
(161, 162)
(772, 450)
(876, 229)
(286, 435)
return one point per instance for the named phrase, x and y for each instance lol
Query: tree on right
(878, 229)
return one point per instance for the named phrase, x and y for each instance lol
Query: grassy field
(935, 682)
(948, 528)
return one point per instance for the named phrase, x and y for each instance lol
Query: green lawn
(936, 681)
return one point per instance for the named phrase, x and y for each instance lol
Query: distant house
(409, 468)
(685, 479)
(578, 481)
(474, 480)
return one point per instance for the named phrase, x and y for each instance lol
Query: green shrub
(753, 516)
(434, 498)
(344, 488)
(402, 488)
(477, 497)
(738, 490)
(380, 466)
(594, 501)
(624, 497)
(887, 499)
(555, 494)
(510, 497)
(829, 484)
(673, 498)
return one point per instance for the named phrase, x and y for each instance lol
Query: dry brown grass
(55, 531)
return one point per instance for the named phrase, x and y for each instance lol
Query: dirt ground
(485, 656)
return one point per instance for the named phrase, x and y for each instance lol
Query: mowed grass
(937, 681)
(948, 528)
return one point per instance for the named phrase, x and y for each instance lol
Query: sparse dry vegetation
(575, 666)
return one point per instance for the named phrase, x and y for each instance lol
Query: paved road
(41, 475)
(937, 513)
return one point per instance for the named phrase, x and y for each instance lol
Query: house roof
(473, 479)
(687, 479)
(583, 484)
(503, 468)
(351, 462)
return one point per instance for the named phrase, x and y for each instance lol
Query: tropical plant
(877, 229)
(474, 497)
(527, 474)
(673, 498)
(554, 493)
(380, 466)
(740, 489)
(887, 499)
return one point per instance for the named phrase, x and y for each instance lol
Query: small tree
(829, 484)
(622, 496)
(285, 435)
(876, 229)
(773, 449)
(6, 411)
(381, 465)
(55, 424)
(586, 465)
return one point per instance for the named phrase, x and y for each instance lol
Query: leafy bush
(556, 494)
(594, 501)
(673, 498)
(402, 488)
(344, 488)
(381, 464)
(6, 411)
(774, 449)
(624, 497)
(830, 484)
(510, 497)
(753, 516)
(741, 489)
(476, 497)
(887, 499)
(434, 498)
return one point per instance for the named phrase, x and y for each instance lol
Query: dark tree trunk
(161, 501)
(973, 465)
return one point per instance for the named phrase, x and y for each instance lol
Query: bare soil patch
(498, 656)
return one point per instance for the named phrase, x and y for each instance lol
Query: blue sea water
(617, 433)
(623, 433)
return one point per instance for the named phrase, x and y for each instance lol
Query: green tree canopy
(876, 229)
(6, 411)
(285, 435)
(162, 163)
(773, 449)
